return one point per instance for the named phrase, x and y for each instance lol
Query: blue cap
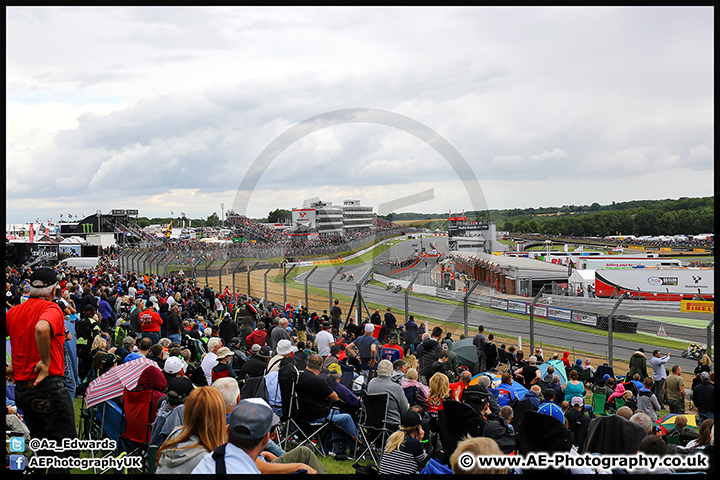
(549, 408)
(606, 376)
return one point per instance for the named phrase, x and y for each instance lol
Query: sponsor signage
(454, 229)
(584, 318)
(516, 307)
(697, 306)
(117, 212)
(657, 281)
(329, 262)
(561, 314)
(499, 304)
(540, 310)
(682, 281)
(132, 213)
(300, 264)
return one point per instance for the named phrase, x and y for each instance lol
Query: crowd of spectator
(219, 363)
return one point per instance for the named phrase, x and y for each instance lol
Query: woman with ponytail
(404, 454)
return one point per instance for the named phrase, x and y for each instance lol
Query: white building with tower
(327, 219)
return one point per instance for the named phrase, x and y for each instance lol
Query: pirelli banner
(328, 262)
(696, 306)
(585, 318)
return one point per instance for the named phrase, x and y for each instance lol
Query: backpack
(122, 331)
(198, 378)
(255, 387)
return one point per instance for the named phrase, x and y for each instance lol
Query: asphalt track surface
(571, 340)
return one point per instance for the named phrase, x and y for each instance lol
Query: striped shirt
(405, 460)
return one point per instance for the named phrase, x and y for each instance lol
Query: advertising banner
(584, 318)
(697, 306)
(684, 281)
(329, 262)
(499, 304)
(561, 314)
(69, 251)
(540, 310)
(517, 307)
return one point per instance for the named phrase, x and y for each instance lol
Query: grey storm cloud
(124, 102)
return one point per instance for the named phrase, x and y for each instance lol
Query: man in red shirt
(457, 388)
(37, 333)
(150, 322)
(258, 336)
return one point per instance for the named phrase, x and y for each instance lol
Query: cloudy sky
(166, 109)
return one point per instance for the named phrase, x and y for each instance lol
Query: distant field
(420, 223)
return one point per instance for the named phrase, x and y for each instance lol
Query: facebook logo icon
(17, 462)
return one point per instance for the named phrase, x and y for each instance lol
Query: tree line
(684, 216)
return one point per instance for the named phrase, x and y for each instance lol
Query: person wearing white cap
(173, 369)
(577, 421)
(366, 348)
(284, 349)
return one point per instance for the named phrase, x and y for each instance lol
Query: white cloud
(555, 154)
(146, 105)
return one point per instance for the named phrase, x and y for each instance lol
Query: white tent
(582, 278)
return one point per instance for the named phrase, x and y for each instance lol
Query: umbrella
(519, 389)
(557, 365)
(112, 383)
(669, 419)
(467, 354)
(657, 423)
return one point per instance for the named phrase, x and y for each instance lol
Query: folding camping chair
(139, 414)
(410, 394)
(456, 420)
(287, 377)
(599, 400)
(347, 375)
(586, 378)
(297, 430)
(106, 423)
(373, 426)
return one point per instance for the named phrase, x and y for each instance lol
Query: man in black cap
(37, 334)
(256, 365)
(324, 340)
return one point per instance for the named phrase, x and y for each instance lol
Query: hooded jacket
(619, 392)
(578, 424)
(183, 458)
(638, 364)
(648, 403)
(504, 436)
(152, 379)
(428, 351)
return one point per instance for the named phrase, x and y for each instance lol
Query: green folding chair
(599, 400)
